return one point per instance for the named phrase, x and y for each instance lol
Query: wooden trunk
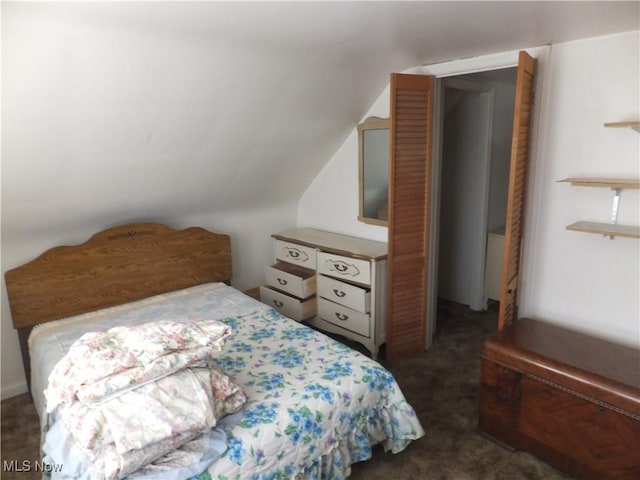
(569, 399)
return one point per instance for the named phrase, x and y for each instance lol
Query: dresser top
(335, 243)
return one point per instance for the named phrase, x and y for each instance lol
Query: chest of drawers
(336, 283)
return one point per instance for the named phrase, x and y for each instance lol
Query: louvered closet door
(409, 193)
(517, 183)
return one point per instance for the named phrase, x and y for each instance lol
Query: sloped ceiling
(167, 108)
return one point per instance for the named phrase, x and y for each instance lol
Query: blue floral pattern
(315, 406)
(259, 413)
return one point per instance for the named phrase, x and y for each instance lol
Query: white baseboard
(8, 391)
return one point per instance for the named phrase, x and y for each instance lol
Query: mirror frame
(370, 123)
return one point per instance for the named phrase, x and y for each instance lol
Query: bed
(310, 405)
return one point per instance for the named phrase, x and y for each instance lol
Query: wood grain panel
(115, 266)
(552, 416)
(499, 402)
(409, 192)
(517, 184)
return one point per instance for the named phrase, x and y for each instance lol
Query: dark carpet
(442, 386)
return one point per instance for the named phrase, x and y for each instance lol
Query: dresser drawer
(298, 281)
(287, 305)
(345, 294)
(338, 266)
(344, 317)
(296, 254)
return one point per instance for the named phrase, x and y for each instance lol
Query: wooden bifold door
(409, 192)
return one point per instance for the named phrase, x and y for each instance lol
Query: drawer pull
(342, 268)
(282, 281)
(338, 293)
(342, 317)
(297, 254)
(278, 303)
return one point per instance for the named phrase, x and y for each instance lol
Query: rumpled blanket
(131, 395)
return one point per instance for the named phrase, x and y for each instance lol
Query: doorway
(414, 202)
(477, 122)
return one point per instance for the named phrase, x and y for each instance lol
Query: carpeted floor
(442, 386)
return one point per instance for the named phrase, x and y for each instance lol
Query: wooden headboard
(115, 266)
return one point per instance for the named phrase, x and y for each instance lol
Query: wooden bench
(570, 399)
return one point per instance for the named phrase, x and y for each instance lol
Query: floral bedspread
(314, 405)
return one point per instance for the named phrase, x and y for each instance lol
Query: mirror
(373, 158)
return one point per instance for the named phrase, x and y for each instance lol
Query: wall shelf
(632, 125)
(603, 182)
(629, 231)
(611, 229)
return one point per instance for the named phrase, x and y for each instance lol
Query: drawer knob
(278, 303)
(338, 293)
(281, 281)
(342, 317)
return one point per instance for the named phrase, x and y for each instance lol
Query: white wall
(583, 280)
(331, 200)
(504, 83)
(579, 280)
(115, 112)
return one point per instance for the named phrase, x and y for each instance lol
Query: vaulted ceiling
(201, 106)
